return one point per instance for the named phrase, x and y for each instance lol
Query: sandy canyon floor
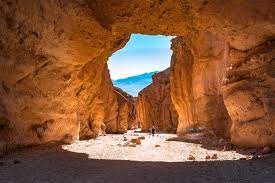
(110, 159)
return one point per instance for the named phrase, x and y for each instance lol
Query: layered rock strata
(198, 67)
(126, 118)
(154, 105)
(249, 95)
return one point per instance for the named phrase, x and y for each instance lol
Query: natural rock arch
(53, 56)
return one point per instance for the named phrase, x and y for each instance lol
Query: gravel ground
(109, 159)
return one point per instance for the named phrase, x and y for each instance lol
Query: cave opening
(140, 75)
(132, 67)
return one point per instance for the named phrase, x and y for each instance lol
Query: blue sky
(143, 53)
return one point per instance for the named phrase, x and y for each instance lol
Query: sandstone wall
(249, 95)
(111, 110)
(100, 105)
(197, 69)
(154, 105)
(126, 111)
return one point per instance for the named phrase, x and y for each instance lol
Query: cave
(56, 88)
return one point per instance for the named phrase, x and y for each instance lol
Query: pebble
(136, 141)
(267, 150)
(141, 138)
(214, 156)
(191, 157)
(16, 161)
(132, 145)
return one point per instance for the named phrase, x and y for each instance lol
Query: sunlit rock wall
(198, 67)
(155, 107)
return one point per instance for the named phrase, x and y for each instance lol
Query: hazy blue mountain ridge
(134, 84)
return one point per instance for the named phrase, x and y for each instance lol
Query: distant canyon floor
(112, 158)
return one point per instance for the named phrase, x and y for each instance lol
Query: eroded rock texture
(198, 66)
(126, 111)
(53, 54)
(100, 114)
(53, 69)
(154, 105)
(249, 95)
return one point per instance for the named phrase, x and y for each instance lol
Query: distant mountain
(134, 84)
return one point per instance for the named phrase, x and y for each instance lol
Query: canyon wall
(249, 95)
(53, 56)
(154, 105)
(126, 111)
(197, 69)
(108, 109)
(100, 114)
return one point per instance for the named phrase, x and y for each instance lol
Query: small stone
(192, 158)
(248, 157)
(207, 157)
(136, 141)
(124, 139)
(214, 156)
(132, 145)
(157, 145)
(266, 150)
(141, 138)
(16, 161)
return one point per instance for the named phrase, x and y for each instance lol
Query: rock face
(154, 105)
(249, 93)
(53, 57)
(126, 111)
(198, 66)
(101, 112)
(111, 111)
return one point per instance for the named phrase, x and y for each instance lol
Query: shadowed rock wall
(249, 93)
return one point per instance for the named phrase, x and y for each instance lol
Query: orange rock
(136, 141)
(126, 111)
(141, 138)
(154, 105)
(214, 156)
(198, 66)
(248, 93)
(192, 158)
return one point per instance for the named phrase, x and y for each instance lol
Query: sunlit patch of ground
(106, 159)
(114, 147)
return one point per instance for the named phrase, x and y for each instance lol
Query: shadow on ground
(55, 165)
